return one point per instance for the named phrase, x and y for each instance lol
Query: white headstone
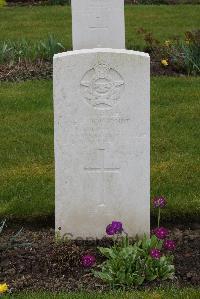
(102, 152)
(98, 24)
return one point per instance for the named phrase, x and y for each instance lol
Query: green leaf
(108, 252)
(151, 277)
(103, 276)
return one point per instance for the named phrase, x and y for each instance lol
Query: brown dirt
(50, 266)
(26, 71)
(43, 70)
(158, 70)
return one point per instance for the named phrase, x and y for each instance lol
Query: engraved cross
(102, 168)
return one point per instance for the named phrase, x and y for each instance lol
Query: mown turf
(175, 144)
(34, 23)
(26, 153)
(185, 293)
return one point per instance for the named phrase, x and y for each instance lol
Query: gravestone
(102, 142)
(98, 24)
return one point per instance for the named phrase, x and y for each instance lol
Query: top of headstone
(101, 50)
(98, 24)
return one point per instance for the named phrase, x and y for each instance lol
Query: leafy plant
(2, 225)
(129, 264)
(148, 259)
(180, 54)
(48, 48)
(185, 54)
(60, 238)
(13, 240)
(24, 50)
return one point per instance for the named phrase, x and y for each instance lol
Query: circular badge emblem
(102, 86)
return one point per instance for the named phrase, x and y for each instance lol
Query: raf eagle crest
(102, 86)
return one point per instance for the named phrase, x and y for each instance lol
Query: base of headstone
(102, 141)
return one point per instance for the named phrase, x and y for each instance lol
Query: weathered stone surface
(101, 106)
(98, 24)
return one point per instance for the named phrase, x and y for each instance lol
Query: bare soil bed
(26, 71)
(47, 265)
(43, 70)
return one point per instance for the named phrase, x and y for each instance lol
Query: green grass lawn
(34, 23)
(26, 154)
(185, 293)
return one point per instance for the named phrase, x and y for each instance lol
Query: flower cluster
(159, 239)
(3, 288)
(143, 260)
(159, 202)
(155, 253)
(114, 228)
(169, 245)
(161, 232)
(88, 260)
(164, 62)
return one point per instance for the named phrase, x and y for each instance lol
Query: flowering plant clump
(3, 288)
(161, 232)
(144, 260)
(178, 54)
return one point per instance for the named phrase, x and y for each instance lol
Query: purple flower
(114, 228)
(169, 245)
(161, 232)
(110, 230)
(88, 260)
(117, 225)
(159, 202)
(155, 253)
